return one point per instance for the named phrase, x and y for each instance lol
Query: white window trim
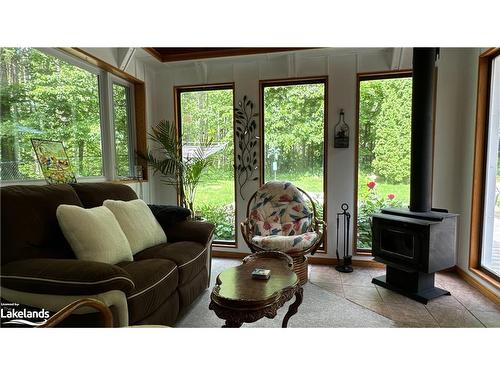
(132, 146)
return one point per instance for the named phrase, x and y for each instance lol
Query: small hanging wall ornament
(341, 137)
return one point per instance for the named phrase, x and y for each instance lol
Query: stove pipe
(422, 129)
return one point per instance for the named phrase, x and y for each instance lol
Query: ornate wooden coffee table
(238, 298)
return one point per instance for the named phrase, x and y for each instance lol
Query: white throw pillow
(138, 223)
(94, 234)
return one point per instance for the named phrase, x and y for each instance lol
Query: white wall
(341, 67)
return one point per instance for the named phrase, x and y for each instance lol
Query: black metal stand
(346, 265)
(418, 286)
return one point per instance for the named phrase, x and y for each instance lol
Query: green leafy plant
(371, 202)
(223, 218)
(183, 172)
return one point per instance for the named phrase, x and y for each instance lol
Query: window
(383, 153)
(294, 136)
(485, 221)
(122, 122)
(48, 94)
(205, 118)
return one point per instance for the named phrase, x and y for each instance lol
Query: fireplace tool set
(345, 217)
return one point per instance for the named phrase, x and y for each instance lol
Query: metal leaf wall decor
(246, 163)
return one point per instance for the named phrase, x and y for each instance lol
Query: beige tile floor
(466, 307)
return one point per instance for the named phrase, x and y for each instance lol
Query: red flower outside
(391, 196)
(371, 185)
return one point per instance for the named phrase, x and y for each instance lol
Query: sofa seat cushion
(190, 257)
(155, 280)
(65, 277)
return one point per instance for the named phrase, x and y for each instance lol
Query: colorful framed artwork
(54, 161)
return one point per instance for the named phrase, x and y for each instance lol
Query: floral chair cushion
(273, 227)
(286, 244)
(296, 227)
(269, 227)
(282, 200)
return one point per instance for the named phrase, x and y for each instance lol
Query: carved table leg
(292, 310)
(232, 324)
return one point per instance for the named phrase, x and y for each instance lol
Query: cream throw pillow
(94, 234)
(138, 223)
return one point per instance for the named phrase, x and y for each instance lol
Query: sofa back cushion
(29, 225)
(93, 194)
(138, 223)
(94, 234)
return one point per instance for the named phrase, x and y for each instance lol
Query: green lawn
(221, 191)
(218, 192)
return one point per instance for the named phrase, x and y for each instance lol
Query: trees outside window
(294, 136)
(124, 152)
(384, 137)
(49, 95)
(206, 113)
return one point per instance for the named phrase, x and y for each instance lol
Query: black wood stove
(416, 243)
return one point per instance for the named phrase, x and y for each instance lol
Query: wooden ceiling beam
(182, 54)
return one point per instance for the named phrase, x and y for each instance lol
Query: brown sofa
(39, 268)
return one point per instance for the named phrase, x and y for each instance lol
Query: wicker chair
(279, 219)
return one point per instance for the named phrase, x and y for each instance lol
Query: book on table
(261, 273)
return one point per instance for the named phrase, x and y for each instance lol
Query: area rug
(319, 309)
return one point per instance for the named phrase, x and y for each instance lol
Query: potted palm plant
(182, 171)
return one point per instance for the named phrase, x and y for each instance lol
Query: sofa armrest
(168, 215)
(190, 230)
(64, 277)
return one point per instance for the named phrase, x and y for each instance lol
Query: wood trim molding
(290, 82)
(479, 167)
(228, 254)
(85, 56)
(476, 284)
(153, 52)
(384, 74)
(141, 126)
(209, 53)
(370, 76)
(311, 259)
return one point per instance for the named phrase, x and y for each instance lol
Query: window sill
(486, 277)
(224, 244)
(128, 181)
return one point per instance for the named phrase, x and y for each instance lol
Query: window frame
(366, 76)
(178, 90)
(132, 143)
(106, 76)
(479, 167)
(292, 82)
